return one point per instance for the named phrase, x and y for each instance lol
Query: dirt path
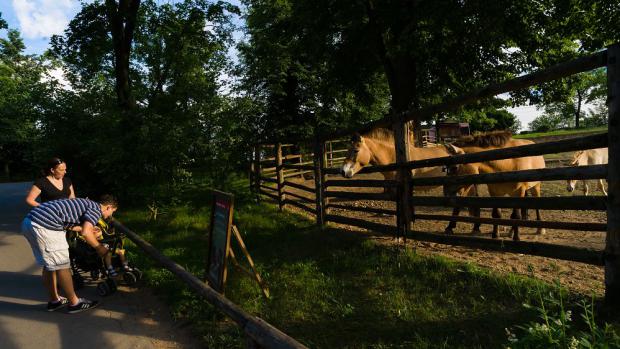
(130, 318)
(579, 277)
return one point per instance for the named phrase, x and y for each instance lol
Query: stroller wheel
(138, 273)
(95, 275)
(78, 281)
(130, 278)
(111, 284)
(103, 289)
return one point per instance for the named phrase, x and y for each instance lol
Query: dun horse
(584, 158)
(377, 148)
(489, 141)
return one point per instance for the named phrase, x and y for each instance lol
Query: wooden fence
(259, 333)
(404, 186)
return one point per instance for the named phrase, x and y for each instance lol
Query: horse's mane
(485, 140)
(577, 156)
(380, 134)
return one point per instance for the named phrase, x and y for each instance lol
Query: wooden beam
(269, 188)
(257, 329)
(612, 241)
(302, 198)
(298, 167)
(358, 195)
(519, 222)
(566, 145)
(300, 205)
(383, 228)
(363, 209)
(268, 194)
(269, 179)
(544, 203)
(257, 174)
(299, 186)
(279, 176)
(544, 174)
(319, 149)
(363, 183)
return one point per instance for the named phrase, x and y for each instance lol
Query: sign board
(219, 239)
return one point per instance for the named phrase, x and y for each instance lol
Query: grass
(332, 288)
(562, 132)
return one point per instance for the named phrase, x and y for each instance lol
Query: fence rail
(259, 331)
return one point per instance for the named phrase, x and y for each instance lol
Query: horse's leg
(516, 214)
(524, 210)
(601, 185)
(475, 211)
(586, 190)
(450, 228)
(536, 192)
(496, 214)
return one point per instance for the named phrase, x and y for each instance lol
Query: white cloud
(43, 18)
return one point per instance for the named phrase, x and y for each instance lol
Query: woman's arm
(31, 198)
(72, 193)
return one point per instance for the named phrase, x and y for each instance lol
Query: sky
(38, 20)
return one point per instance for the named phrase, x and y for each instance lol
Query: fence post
(257, 171)
(319, 149)
(280, 175)
(252, 154)
(401, 142)
(612, 241)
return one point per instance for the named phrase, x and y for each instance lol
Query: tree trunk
(122, 21)
(578, 111)
(7, 171)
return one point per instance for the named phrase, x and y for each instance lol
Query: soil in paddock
(578, 277)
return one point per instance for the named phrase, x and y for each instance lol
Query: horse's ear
(453, 150)
(356, 137)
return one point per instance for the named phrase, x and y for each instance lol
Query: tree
(121, 18)
(563, 104)
(21, 92)
(422, 51)
(177, 58)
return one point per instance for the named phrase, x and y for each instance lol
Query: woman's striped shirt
(65, 213)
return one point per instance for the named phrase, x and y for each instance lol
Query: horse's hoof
(541, 231)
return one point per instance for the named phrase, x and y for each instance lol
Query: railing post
(252, 175)
(257, 171)
(319, 189)
(612, 241)
(280, 175)
(401, 140)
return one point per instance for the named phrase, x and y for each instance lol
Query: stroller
(84, 259)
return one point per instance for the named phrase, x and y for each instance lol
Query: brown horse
(377, 148)
(489, 141)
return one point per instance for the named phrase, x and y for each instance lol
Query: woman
(53, 186)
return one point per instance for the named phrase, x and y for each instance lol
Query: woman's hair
(51, 163)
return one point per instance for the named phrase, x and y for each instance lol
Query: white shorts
(49, 247)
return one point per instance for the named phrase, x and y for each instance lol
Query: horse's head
(572, 183)
(456, 170)
(358, 156)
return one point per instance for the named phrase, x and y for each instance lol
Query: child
(101, 229)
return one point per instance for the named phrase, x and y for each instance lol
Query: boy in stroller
(85, 259)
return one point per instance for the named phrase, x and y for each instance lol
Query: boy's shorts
(49, 247)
